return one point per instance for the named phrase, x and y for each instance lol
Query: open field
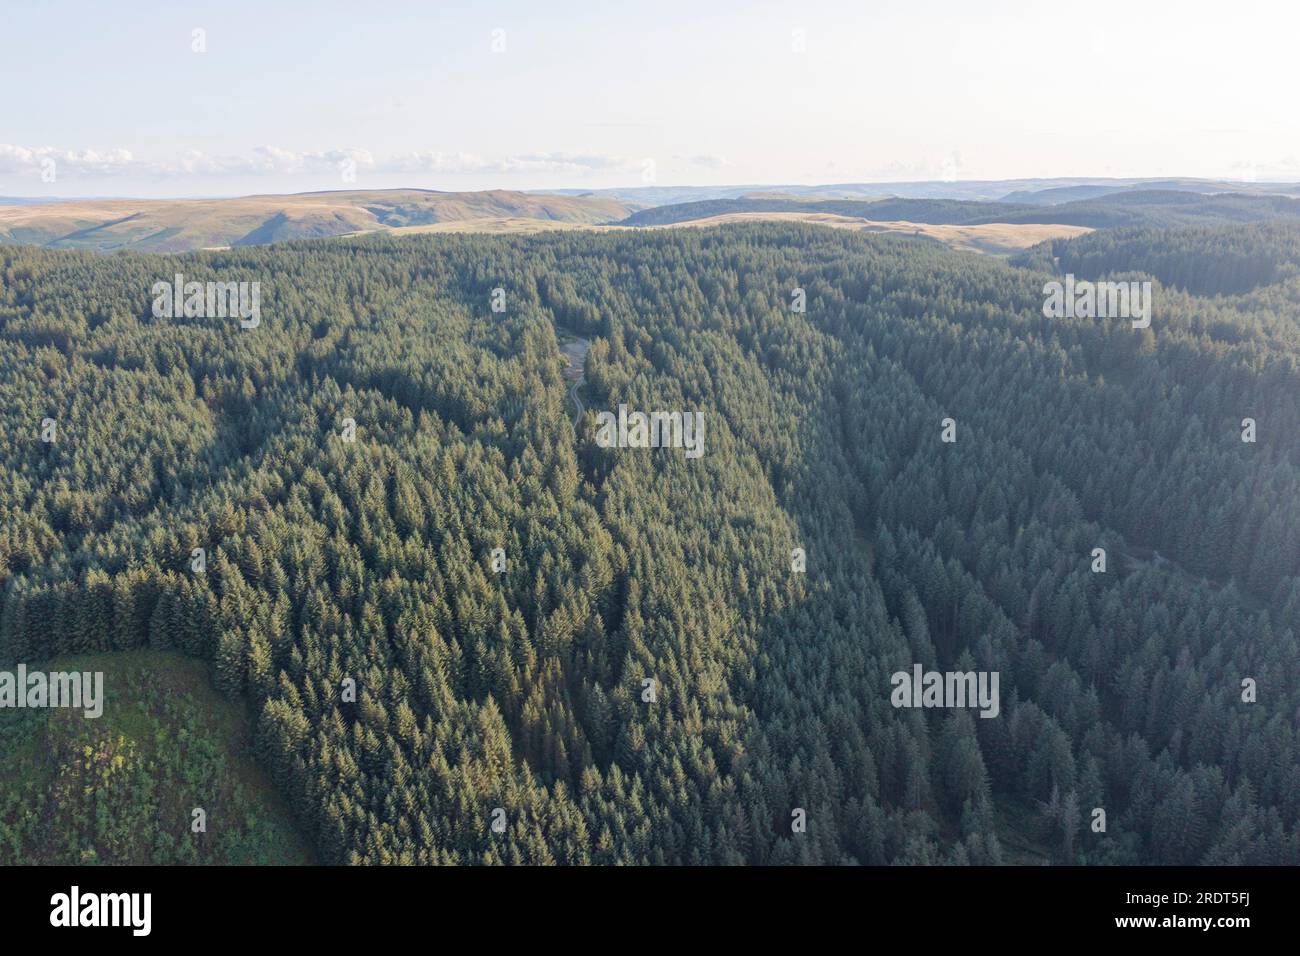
(500, 225)
(986, 238)
(990, 238)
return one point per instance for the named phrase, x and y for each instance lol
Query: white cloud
(705, 161)
(274, 160)
(24, 160)
(564, 163)
(460, 163)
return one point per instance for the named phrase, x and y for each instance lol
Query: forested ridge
(938, 211)
(371, 561)
(1207, 260)
(1151, 208)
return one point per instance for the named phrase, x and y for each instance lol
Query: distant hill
(999, 239)
(934, 211)
(182, 225)
(1156, 208)
(1150, 208)
(1060, 194)
(106, 225)
(971, 190)
(1204, 260)
(24, 200)
(1205, 187)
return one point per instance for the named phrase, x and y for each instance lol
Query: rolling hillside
(1035, 191)
(1157, 208)
(1153, 208)
(185, 225)
(938, 211)
(989, 238)
(107, 225)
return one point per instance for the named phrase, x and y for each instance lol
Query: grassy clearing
(122, 788)
(998, 238)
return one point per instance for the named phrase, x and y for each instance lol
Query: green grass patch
(122, 788)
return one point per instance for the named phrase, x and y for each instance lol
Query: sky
(137, 98)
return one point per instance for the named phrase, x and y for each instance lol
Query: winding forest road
(575, 352)
(573, 393)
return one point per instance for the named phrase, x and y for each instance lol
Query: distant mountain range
(1037, 191)
(1146, 207)
(177, 225)
(160, 225)
(28, 200)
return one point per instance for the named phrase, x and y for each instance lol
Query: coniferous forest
(463, 631)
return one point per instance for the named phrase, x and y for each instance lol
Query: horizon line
(560, 190)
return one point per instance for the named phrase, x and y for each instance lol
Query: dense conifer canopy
(371, 561)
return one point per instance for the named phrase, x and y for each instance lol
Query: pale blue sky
(583, 94)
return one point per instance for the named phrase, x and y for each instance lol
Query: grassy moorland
(184, 225)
